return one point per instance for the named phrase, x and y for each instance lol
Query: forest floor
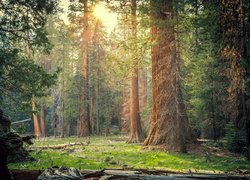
(113, 152)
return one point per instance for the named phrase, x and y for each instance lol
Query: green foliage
(204, 83)
(21, 129)
(234, 138)
(23, 20)
(22, 35)
(67, 92)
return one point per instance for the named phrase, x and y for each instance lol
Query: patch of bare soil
(201, 148)
(198, 148)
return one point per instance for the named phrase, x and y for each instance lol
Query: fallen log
(56, 147)
(132, 174)
(61, 173)
(93, 174)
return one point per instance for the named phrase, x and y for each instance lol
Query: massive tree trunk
(37, 131)
(136, 134)
(84, 129)
(42, 122)
(233, 53)
(169, 127)
(235, 39)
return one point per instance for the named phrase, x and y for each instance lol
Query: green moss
(110, 152)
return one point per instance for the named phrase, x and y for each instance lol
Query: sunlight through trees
(170, 75)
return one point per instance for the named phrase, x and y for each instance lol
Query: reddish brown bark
(233, 53)
(37, 132)
(136, 134)
(84, 125)
(235, 40)
(99, 53)
(169, 119)
(42, 122)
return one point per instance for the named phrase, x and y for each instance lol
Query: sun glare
(108, 19)
(100, 11)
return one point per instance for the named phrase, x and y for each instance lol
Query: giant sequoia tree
(234, 53)
(169, 124)
(136, 134)
(84, 124)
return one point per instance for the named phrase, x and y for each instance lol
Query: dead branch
(60, 146)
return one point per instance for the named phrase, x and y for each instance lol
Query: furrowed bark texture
(233, 54)
(169, 123)
(84, 125)
(136, 134)
(235, 23)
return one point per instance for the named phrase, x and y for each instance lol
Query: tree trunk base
(136, 139)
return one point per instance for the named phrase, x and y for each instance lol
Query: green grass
(111, 152)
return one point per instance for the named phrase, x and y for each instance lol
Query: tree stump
(11, 146)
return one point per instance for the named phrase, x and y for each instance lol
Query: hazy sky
(108, 19)
(64, 4)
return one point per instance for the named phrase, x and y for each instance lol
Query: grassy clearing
(113, 152)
